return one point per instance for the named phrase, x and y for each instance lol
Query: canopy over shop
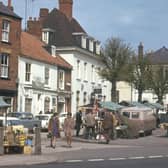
(3, 106)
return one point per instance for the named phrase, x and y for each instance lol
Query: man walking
(78, 122)
(108, 126)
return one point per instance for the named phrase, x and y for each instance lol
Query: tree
(139, 76)
(116, 58)
(159, 81)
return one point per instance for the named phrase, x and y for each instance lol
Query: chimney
(140, 50)
(10, 5)
(43, 13)
(65, 6)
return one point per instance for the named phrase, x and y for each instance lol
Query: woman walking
(68, 128)
(53, 128)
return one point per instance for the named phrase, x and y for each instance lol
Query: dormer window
(97, 48)
(53, 51)
(83, 41)
(47, 34)
(91, 45)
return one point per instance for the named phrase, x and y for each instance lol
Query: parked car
(26, 119)
(44, 118)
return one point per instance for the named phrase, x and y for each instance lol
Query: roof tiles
(33, 48)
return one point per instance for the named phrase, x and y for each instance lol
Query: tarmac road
(145, 149)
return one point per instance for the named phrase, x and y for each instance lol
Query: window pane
(4, 65)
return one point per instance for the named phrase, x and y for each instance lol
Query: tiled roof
(32, 47)
(160, 56)
(6, 11)
(63, 28)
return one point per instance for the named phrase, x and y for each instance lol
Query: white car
(44, 118)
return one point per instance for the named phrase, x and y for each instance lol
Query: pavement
(49, 154)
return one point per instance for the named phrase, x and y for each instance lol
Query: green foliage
(116, 56)
(158, 80)
(139, 76)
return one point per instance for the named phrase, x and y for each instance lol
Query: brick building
(10, 31)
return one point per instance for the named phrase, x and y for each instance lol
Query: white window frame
(45, 36)
(27, 72)
(53, 51)
(4, 65)
(98, 48)
(5, 30)
(61, 79)
(83, 41)
(91, 43)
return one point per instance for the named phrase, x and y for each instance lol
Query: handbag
(49, 135)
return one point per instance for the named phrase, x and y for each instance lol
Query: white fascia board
(77, 49)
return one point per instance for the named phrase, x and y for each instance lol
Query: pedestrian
(108, 126)
(78, 122)
(68, 128)
(90, 123)
(53, 129)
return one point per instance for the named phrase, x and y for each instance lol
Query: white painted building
(85, 79)
(39, 83)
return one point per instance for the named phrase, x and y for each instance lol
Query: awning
(110, 105)
(154, 105)
(137, 104)
(3, 103)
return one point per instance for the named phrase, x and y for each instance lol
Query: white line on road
(139, 157)
(95, 160)
(117, 159)
(73, 161)
(153, 157)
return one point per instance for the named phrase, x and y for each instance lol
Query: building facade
(43, 79)
(10, 31)
(59, 28)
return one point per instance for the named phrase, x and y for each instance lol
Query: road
(143, 152)
(126, 163)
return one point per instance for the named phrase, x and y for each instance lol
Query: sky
(133, 21)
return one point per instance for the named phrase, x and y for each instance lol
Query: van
(140, 120)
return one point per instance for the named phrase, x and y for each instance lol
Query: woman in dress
(68, 128)
(53, 128)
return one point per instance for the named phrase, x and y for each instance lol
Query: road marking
(73, 161)
(153, 157)
(139, 157)
(122, 158)
(95, 160)
(117, 159)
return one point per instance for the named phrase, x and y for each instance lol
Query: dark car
(27, 119)
(21, 115)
